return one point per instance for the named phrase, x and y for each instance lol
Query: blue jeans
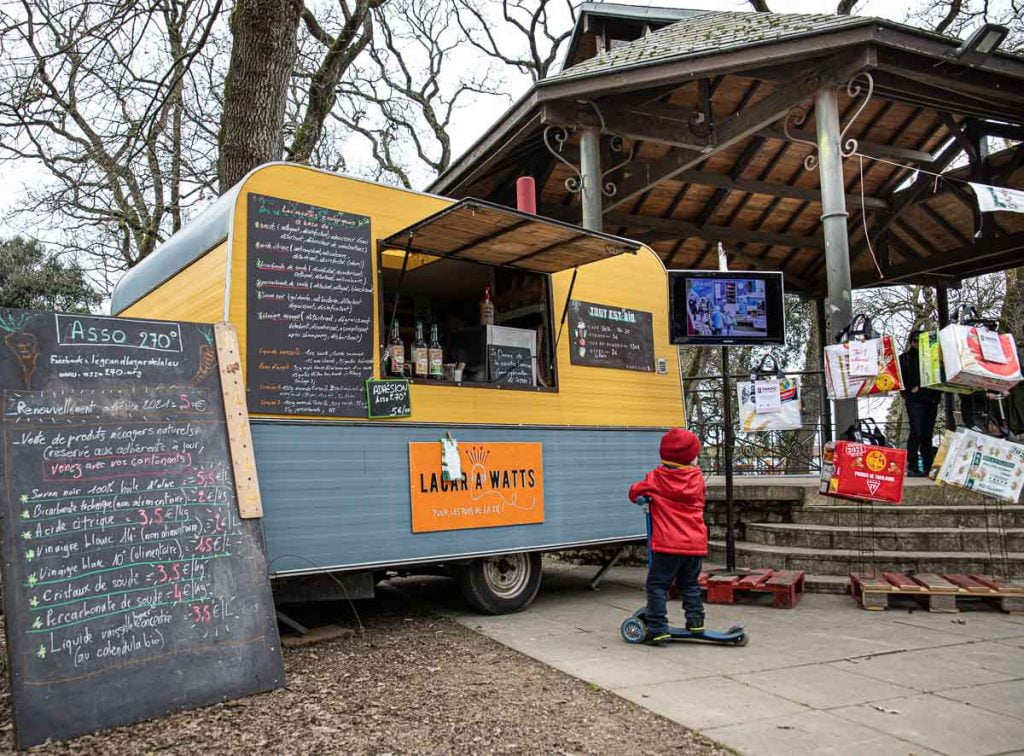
(685, 571)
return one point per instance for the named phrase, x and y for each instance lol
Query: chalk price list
(120, 526)
(310, 308)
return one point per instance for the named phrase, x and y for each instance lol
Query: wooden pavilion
(705, 155)
(833, 148)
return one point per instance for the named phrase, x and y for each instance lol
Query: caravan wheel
(501, 584)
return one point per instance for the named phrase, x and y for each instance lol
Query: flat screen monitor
(723, 308)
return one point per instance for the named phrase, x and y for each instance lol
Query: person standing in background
(922, 408)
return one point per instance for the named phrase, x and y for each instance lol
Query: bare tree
(526, 35)
(958, 18)
(95, 92)
(404, 95)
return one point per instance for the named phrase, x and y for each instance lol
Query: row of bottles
(427, 360)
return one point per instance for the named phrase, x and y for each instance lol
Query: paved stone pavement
(824, 678)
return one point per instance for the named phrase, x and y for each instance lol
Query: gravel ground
(411, 682)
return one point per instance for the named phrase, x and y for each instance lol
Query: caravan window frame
(385, 322)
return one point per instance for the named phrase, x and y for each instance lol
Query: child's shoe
(695, 628)
(659, 639)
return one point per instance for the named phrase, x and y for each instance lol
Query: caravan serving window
(466, 323)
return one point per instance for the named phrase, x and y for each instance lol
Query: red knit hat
(679, 446)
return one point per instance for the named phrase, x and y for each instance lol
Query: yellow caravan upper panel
(586, 396)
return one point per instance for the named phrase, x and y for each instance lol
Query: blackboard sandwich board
(388, 398)
(133, 587)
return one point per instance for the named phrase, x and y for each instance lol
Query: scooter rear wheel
(633, 630)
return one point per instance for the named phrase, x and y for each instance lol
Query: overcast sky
(478, 117)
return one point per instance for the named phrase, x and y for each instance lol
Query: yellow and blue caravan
(537, 350)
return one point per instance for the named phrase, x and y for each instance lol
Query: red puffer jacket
(677, 509)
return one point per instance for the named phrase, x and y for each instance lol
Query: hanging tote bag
(860, 469)
(976, 356)
(860, 363)
(769, 400)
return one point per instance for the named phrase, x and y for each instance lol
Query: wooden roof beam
(770, 188)
(666, 228)
(900, 201)
(682, 130)
(868, 149)
(995, 253)
(741, 125)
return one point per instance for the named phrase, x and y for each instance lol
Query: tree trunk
(263, 56)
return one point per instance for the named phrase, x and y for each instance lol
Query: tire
(633, 630)
(501, 584)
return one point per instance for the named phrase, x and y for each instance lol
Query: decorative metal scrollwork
(615, 144)
(555, 139)
(853, 89)
(560, 135)
(797, 116)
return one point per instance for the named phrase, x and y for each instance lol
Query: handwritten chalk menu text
(131, 586)
(510, 366)
(310, 309)
(388, 398)
(611, 337)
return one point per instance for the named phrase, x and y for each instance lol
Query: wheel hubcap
(507, 575)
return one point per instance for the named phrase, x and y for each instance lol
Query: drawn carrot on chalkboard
(207, 357)
(24, 345)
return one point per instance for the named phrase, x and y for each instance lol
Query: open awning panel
(484, 232)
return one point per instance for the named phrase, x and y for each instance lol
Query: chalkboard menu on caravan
(310, 309)
(611, 337)
(131, 586)
(509, 366)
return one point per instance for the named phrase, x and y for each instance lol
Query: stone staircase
(785, 524)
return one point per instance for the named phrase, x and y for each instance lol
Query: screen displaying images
(712, 307)
(726, 308)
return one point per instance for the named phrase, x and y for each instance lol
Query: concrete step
(989, 515)
(843, 561)
(885, 539)
(916, 492)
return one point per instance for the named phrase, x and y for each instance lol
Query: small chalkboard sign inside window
(388, 398)
(510, 366)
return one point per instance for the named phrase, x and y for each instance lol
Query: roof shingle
(711, 32)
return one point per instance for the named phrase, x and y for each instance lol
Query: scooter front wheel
(633, 630)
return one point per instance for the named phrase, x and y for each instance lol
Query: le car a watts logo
(500, 484)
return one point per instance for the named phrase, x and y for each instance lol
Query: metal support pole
(590, 170)
(839, 309)
(730, 439)
(942, 305)
(826, 403)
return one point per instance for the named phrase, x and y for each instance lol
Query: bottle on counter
(396, 352)
(487, 308)
(420, 359)
(435, 355)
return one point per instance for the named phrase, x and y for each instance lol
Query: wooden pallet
(784, 585)
(942, 591)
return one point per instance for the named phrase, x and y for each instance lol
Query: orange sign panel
(501, 484)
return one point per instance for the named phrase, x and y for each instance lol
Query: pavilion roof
(698, 108)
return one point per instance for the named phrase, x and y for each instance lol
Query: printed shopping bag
(852, 470)
(861, 364)
(769, 400)
(977, 462)
(933, 374)
(978, 357)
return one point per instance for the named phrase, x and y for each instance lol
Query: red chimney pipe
(526, 195)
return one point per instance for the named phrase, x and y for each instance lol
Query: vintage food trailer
(551, 371)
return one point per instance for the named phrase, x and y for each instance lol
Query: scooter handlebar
(643, 501)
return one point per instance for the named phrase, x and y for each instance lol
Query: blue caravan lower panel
(337, 496)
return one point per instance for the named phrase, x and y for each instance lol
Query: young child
(679, 537)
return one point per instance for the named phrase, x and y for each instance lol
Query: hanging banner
(992, 198)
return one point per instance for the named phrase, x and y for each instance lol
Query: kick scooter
(634, 627)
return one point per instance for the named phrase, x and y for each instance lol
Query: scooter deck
(634, 630)
(708, 636)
